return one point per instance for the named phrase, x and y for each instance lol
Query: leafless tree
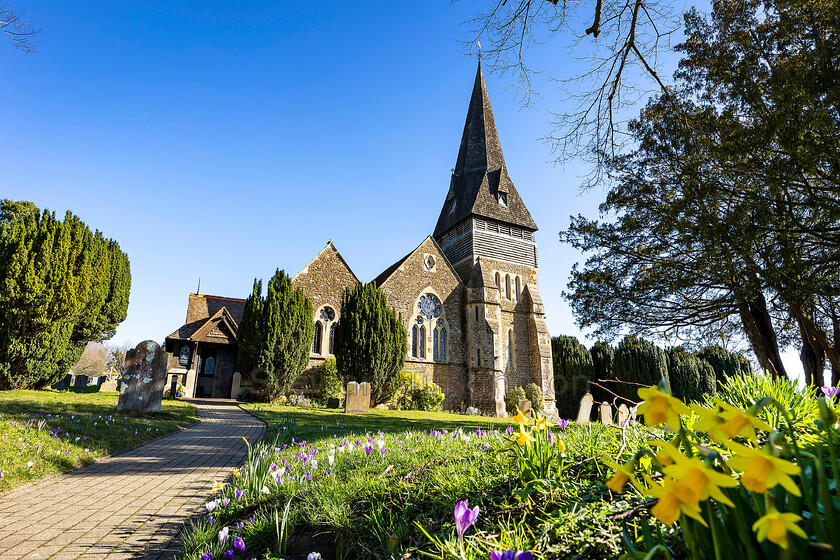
(17, 28)
(626, 38)
(93, 361)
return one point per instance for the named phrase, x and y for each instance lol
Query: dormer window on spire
(503, 198)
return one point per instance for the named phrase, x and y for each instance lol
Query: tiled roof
(201, 307)
(480, 172)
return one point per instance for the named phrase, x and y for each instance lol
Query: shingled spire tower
(487, 233)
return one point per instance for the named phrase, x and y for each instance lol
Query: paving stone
(130, 505)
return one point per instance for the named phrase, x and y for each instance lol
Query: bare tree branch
(16, 28)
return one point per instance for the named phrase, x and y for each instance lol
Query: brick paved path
(131, 505)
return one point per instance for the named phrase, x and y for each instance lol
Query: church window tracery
(324, 328)
(316, 342)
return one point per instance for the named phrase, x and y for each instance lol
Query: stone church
(468, 294)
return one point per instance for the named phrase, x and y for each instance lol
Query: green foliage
(725, 363)
(534, 393)
(638, 362)
(370, 342)
(429, 397)
(275, 336)
(330, 382)
(691, 378)
(61, 286)
(512, 399)
(744, 391)
(603, 357)
(573, 369)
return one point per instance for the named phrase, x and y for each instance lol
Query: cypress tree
(61, 286)
(690, 376)
(724, 363)
(603, 356)
(573, 369)
(370, 341)
(275, 336)
(639, 363)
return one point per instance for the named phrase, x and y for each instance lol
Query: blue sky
(222, 140)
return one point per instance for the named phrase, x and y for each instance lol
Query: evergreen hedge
(638, 362)
(691, 377)
(725, 363)
(61, 286)
(573, 369)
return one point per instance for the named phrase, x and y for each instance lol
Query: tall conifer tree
(370, 341)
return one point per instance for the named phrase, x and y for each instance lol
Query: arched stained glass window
(442, 345)
(316, 342)
(507, 286)
(435, 336)
(517, 288)
(498, 281)
(414, 341)
(422, 343)
(332, 339)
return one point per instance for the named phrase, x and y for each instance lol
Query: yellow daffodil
(216, 486)
(739, 423)
(776, 525)
(542, 423)
(623, 474)
(522, 436)
(519, 418)
(561, 447)
(236, 473)
(710, 421)
(667, 451)
(763, 470)
(671, 504)
(697, 481)
(661, 408)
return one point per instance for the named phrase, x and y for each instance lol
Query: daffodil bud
(827, 413)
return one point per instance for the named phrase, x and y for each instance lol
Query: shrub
(744, 391)
(638, 362)
(534, 394)
(403, 398)
(725, 364)
(330, 383)
(573, 369)
(429, 397)
(691, 378)
(603, 357)
(370, 341)
(512, 399)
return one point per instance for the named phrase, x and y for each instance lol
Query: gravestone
(109, 385)
(333, 402)
(606, 414)
(64, 383)
(144, 379)
(585, 410)
(525, 408)
(623, 415)
(235, 385)
(173, 389)
(358, 398)
(80, 382)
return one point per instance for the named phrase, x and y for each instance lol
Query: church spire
(480, 183)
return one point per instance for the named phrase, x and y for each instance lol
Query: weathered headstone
(585, 410)
(606, 414)
(358, 398)
(623, 415)
(80, 382)
(109, 385)
(525, 407)
(333, 402)
(144, 379)
(235, 385)
(173, 389)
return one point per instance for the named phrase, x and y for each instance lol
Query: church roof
(202, 308)
(480, 172)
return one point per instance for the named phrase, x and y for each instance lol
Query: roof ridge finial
(479, 51)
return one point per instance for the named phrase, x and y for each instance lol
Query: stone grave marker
(80, 382)
(606, 414)
(358, 398)
(109, 385)
(623, 415)
(236, 385)
(144, 379)
(173, 389)
(585, 410)
(333, 403)
(525, 407)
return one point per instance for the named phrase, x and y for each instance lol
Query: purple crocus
(229, 554)
(831, 392)
(207, 556)
(563, 424)
(225, 502)
(512, 555)
(239, 493)
(464, 517)
(239, 545)
(368, 449)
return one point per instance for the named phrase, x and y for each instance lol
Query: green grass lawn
(384, 484)
(46, 432)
